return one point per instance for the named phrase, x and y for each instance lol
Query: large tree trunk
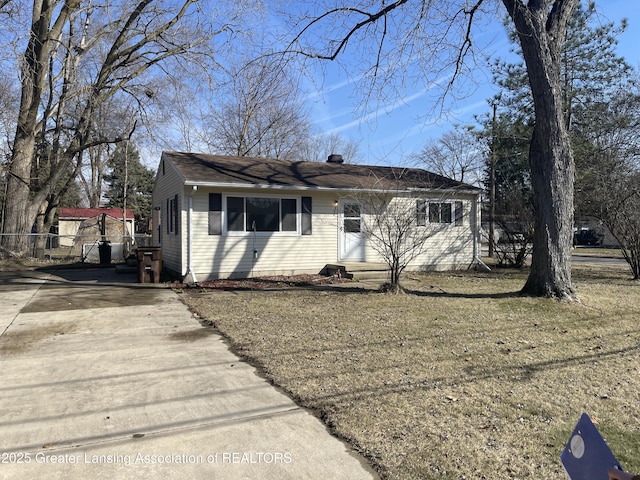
(20, 212)
(44, 220)
(552, 173)
(542, 31)
(17, 223)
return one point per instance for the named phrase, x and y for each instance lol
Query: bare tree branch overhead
(342, 44)
(430, 42)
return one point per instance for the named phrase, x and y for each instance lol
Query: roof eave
(465, 190)
(266, 186)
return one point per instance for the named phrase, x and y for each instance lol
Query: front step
(358, 270)
(335, 270)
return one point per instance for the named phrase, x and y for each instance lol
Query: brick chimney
(333, 158)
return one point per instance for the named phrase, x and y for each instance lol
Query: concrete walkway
(102, 377)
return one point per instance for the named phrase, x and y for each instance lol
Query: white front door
(351, 231)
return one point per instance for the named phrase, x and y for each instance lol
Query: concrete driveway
(102, 377)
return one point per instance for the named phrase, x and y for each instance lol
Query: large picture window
(267, 214)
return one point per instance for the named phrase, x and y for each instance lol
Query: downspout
(477, 261)
(190, 276)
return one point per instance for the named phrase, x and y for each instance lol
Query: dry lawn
(461, 377)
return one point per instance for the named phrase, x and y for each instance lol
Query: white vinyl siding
(453, 244)
(278, 253)
(167, 189)
(282, 253)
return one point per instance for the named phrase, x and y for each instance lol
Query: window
(235, 214)
(262, 214)
(352, 218)
(289, 209)
(307, 208)
(438, 212)
(459, 214)
(215, 214)
(268, 214)
(445, 213)
(421, 213)
(173, 215)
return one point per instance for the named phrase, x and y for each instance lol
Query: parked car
(587, 237)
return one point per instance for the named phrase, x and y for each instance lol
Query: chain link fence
(76, 248)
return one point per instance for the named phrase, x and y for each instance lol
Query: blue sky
(388, 133)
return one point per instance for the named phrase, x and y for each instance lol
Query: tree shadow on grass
(435, 293)
(526, 371)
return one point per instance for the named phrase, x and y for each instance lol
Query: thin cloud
(387, 109)
(319, 92)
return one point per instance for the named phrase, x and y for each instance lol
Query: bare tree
(318, 147)
(185, 112)
(91, 175)
(514, 244)
(542, 28)
(113, 118)
(403, 210)
(621, 215)
(456, 154)
(261, 112)
(431, 39)
(76, 58)
(609, 186)
(397, 227)
(10, 11)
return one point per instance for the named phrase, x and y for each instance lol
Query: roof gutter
(264, 186)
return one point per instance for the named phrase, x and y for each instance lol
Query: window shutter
(215, 214)
(169, 215)
(177, 215)
(306, 215)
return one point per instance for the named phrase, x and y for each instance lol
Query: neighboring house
(87, 222)
(591, 231)
(220, 216)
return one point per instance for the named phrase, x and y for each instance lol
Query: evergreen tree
(126, 172)
(591, 74)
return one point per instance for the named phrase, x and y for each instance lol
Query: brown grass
(461, 377)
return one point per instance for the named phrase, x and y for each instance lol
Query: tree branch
(559, 18)
(466, 44)
(370, 18)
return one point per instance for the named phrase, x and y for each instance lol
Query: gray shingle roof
(204, 169)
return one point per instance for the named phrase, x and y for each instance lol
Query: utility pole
(492, 184)
(125, 242)
(127, 237)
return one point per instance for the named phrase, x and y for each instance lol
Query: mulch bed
(261, 283)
